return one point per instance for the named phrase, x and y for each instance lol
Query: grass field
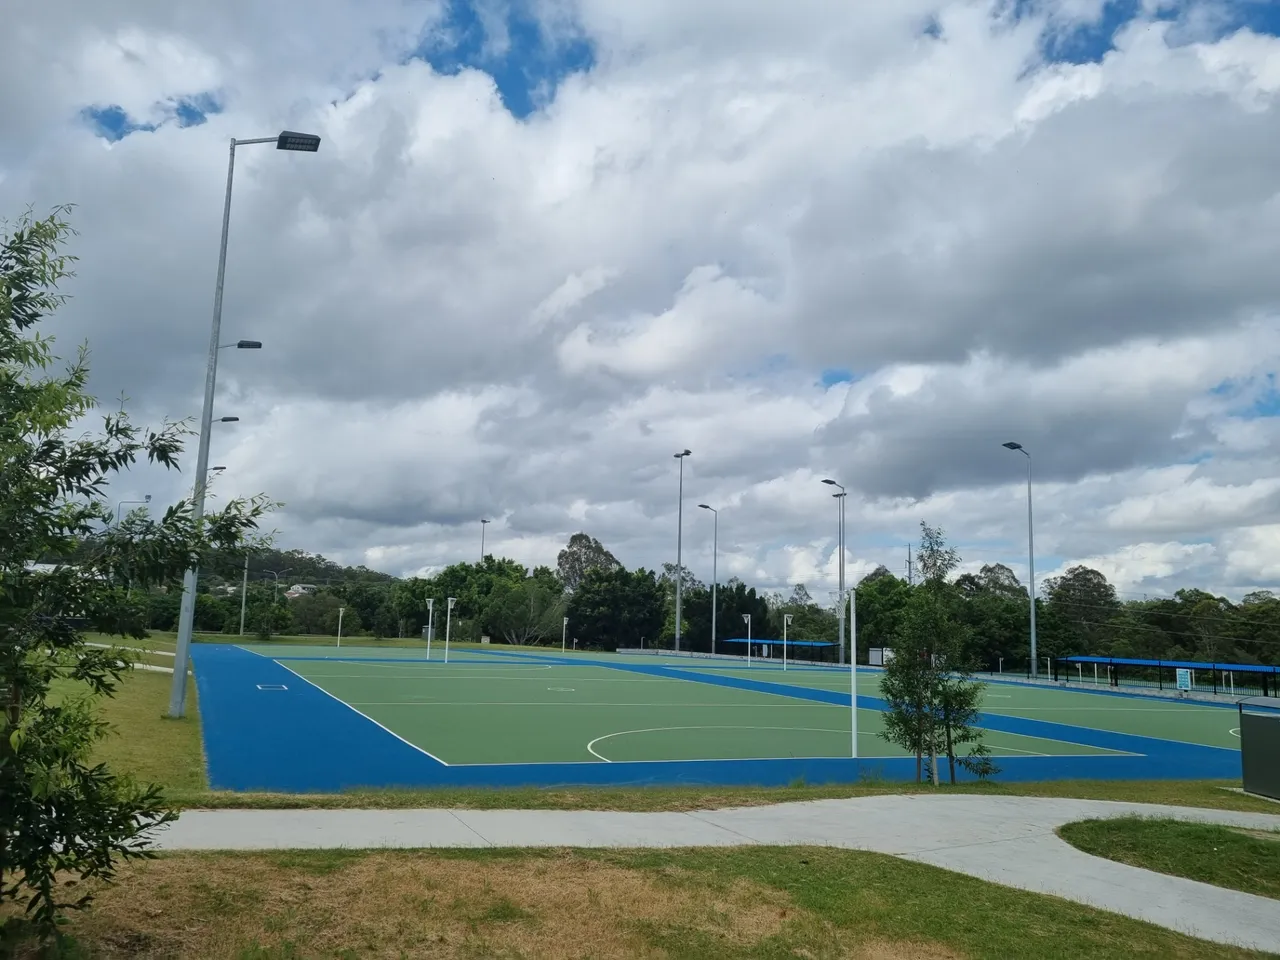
(1247, 860)
(744, 903)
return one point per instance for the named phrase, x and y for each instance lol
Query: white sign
(1184, 679)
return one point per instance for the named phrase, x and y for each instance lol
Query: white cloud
(469, 315)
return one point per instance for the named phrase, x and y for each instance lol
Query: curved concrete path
(1007, 840)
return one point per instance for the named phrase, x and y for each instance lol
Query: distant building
(300, 590)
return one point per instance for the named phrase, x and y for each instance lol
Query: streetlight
(482, 526)
(431, 617)
(276, 594)
(715, 550)
(564, 634)
(679, 538)
(786, 622)
(123, 502)
(341, 611)
(448, 626)
(746, 617)
(840, 496)
(1031, 552)
(286, 140)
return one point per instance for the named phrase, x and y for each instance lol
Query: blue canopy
(1185, 664)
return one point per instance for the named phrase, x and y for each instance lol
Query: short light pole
(431, 611)
(840, 497)
(123, 503)
(715, 552)
(244, 592)
(1031, 553)
(679, 543)
(341, 611)
(287, 140)
(746, 618)
(448, 626)
(483, 524)
(786, 622)
(853, 669)
(564, 634)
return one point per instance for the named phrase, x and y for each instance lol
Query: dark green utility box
(1260, 745)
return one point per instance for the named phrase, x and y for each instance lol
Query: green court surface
(483, 708)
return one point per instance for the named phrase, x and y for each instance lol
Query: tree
(928, 685)
(61, 815)
(616, 608)
(1084, 602)
(583, 553)
(524, 612)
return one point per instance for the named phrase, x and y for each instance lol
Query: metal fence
(1235, 680)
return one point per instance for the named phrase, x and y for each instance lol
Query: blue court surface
(308, 719)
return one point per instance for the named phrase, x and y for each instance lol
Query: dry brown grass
(397, 904)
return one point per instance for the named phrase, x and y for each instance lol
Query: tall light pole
(287, 140)
(679, 543)
(564, 634)
(341, 611)
(448, 626)
(746, 618)
(244, 592)
(840, 497)
(715, 580)
(483, 523)
(124, 502)
(1031, 552)
(276, 594)
(786, 622)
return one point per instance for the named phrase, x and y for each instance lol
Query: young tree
(933, 699)
(62, 815)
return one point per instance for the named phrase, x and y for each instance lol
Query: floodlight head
(686, 453)
(705, 506)
(248, 344)
(484, 521)
(831, 483)
(304, 142)
(1011, 445)
(746, 618)
(147, 498)
(228, 419)
(215, 470)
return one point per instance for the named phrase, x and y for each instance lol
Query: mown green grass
(1228, 857)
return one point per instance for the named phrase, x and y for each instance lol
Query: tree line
(608, 606)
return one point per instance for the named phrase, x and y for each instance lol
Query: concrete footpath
(1006, 840)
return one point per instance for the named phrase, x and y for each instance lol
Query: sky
(547, 244)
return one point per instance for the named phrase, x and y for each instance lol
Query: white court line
(580, 703)
(370, 719)
(1235, 732)
(477, 676)
(623, 733)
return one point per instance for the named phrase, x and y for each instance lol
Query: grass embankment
(1247, 860)
(746, 903)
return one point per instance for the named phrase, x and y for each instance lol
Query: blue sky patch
(113, 124)
(836, 375)
(1090, 42)
(527, 69)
